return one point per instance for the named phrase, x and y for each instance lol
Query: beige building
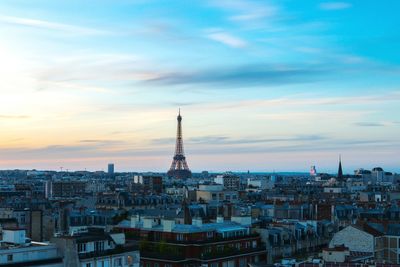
(336, 254)
(216, 193)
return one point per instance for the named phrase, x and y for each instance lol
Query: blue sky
(263, 85)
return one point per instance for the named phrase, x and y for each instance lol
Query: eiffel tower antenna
(179, 168)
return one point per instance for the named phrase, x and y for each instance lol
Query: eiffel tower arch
(179, 168)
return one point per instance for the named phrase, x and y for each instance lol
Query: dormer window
(81, 247)
(99, 246)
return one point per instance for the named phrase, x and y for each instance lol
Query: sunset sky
(262, 85)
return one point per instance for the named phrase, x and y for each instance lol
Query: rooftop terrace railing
(108, 252)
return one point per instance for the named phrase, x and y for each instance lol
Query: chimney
(186, 213)
(135, 219)
(168, 225)
(197, 222)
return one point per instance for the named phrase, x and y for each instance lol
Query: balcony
(108, 252)
(231, 252)
(136, 236)
(162, 256)
(164, 251)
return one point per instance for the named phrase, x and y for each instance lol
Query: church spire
(340, 170)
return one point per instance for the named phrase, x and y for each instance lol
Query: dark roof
(337, 248)
(393, 229)
(368, 229)
(8, 220)
(84, 238)
(93, 234)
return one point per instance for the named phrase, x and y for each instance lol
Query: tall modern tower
(110, 168)
(179, 168)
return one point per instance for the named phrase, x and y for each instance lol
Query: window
(228, 264)
(99, 246)
(209, 234)
(155, 264)
(118, 262)
(179, 237)
(81, 247)
(10, 257)
(88, 265)
(242, 262)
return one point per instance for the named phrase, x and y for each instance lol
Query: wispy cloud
(226, 140)
(250, 12)
(14, 117)
(377, 124)
(248, 75)
(227, 39)
(49, 25)
(369, 124)
(102, 142)
(307, 100)
(334, 5)
(67, 71)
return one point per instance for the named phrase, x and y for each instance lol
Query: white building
(97, 248)
(16, 249)
(228, 180)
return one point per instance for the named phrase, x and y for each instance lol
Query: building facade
(163, 243)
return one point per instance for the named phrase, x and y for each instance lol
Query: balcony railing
(179, 255)
(202, 241)
(162, 256)
(108, 252)
(231, 252)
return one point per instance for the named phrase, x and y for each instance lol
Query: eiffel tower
(179, 168)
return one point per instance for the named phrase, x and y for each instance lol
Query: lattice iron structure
(179, 168)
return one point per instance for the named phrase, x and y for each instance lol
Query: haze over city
(262, 85)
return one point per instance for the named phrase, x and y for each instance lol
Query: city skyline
(263, 85)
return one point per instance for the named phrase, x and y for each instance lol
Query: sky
(262, 85)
